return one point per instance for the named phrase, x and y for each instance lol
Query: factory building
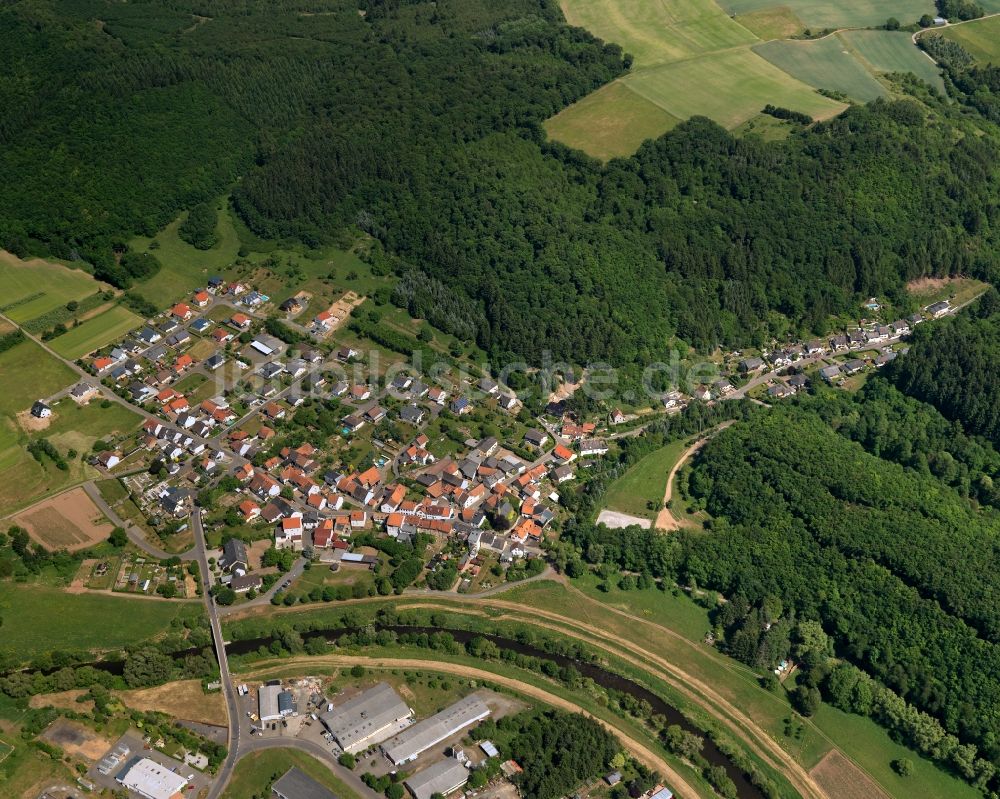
(443, 777)
(409, 744)
(367, 719)
(153, 781)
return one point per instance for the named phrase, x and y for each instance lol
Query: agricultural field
(644, 482)
(35, 287)
(893, 51)
(609, 123)
(980, 37)
(774, 22)
(37, 615)
(820, 15)
(96, 332)
(69, 521)
(656, 32)
(727, 62)
(825, 64)
(255, 771)
(729, 87)
(690, 59)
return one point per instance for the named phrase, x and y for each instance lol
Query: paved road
(135, 535)
(228, 691)
(265, 599)
(256, 743)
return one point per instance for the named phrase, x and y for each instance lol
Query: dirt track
(665, 519)
(740, 725)
(641, 753)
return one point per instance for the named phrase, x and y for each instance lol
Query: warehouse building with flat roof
(413, 741)
(153, 781)
(367, 719)
(274, 703)
(443, 777)
(295, 784)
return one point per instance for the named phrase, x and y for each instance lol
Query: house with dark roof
(234, 555)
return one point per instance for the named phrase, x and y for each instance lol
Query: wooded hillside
(419, 123)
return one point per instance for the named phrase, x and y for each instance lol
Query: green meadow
(729, 87)
(980, 37)
(825, 64)
(32, 288)
(822, 14)
(644, 482)
(96, 332)
(39, 617)
(611, 122)
(893, 51)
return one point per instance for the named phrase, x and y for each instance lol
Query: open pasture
(185, 267)
(893, 51)
(729, 87)
(645, 481)
(825, 64)
(656, 32)
(96, 332)
(611, 122)
(37, 615)
(821, 15)
(35, 287)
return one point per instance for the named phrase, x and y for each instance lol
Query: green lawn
(644, 481)
(611, 122)
(825, 64)
(730, 87)
(54, 284)
(96, 332)
(893, 51)
(39, 618)
(821, 14)
(256, 771)
(980, 37)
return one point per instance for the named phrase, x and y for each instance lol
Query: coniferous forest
(419, 123)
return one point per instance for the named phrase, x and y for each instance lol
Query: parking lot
(130, 746)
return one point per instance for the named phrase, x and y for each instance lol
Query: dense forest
(419, 123)
(955, 368)
(826, 550)
(858, 543)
